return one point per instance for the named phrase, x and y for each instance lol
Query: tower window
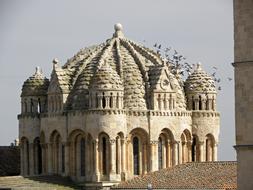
(136, 156)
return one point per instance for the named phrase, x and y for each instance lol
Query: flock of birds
(179, 65)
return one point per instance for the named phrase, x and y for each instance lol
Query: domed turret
(106, 89)
(200, 90)
(34, 92)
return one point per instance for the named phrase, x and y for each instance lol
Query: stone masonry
(243, 67)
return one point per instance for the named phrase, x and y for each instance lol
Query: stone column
(100, 105)
(175, 153)
(180, 153)
(214, 158)
(144, 158)
(123, 159)
(22, 159)
(67, 147)
(154, 155)
(119, 160)
(107, 102)
(31, 159)
(201, 151)
(168, 155)
(113, 176)
(189, 148)
(114, 101)
(49, 158)
(96, 175)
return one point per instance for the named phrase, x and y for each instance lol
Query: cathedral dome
(128, 62)
(199, 81)
(36, 85)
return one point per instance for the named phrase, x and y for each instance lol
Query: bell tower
(243, 71)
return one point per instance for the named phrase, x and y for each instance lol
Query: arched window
(103, 100)
(111, 101)
(39, 106)
(97, 100)
(160, 153)
(136, 156)
(31, 106)
(194, 149)
(38, 156)
(104, 161)
(82, 156)
(200, 103)
(193, 104)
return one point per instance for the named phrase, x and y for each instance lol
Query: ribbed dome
(106, 79)
(199, 81)
(36, 85)
(130, 61)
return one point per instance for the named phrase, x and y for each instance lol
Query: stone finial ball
(118, 27)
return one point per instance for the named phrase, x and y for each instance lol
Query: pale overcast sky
(33, 32)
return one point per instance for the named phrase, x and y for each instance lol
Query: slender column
(96, 176)
(165, 103)
(215, 152)
(144, 158)
(168, 155)
(180, 153)
(67, 147)
(201, 151)
(22, 159)
(119, 160)
(123, 159)
(175, 153)
(107, 102)
(154, 156)
(114, 102)
(31, 159)
(113, 160)
(100, 105)
(189, 151)
(49, 153)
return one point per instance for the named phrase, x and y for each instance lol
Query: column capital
(175, 142)
(112, 141)
(201, 142)
(66, 143)
(154, 142)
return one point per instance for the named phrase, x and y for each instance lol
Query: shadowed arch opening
(104, 155)
(195, 149)
(37, 156)
(138, 151)
(165, 147)
(81, 157)
(57, 156)
(186, 143)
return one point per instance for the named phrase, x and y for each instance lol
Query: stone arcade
(114, 111)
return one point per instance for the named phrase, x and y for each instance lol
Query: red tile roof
(195, 175)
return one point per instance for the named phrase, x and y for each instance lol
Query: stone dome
(106, 79)
(129, 62)
(36, 85)
(199, 81)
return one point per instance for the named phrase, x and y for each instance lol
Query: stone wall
(243, 37)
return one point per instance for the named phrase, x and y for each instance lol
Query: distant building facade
(114, 111)
(243, 64)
